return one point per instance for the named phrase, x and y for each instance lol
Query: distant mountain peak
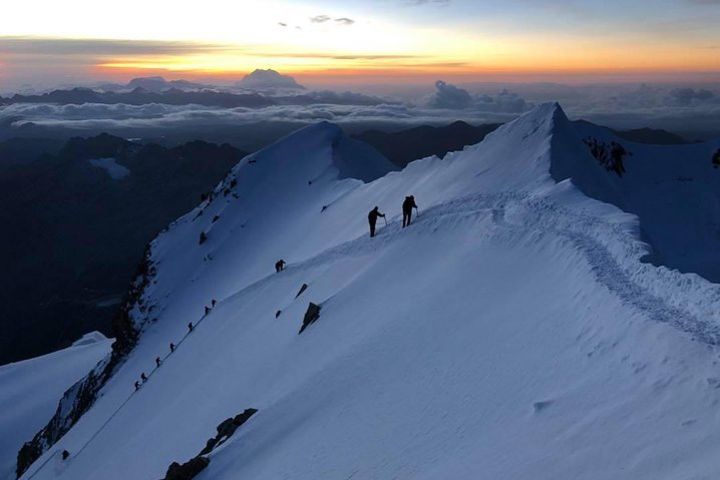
(160, 84)
(269, 78)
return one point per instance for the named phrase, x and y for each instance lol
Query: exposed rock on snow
(227, 428)
(191, 468)
(610, 156)
(311, 315)
(302, 289)
(188, 470)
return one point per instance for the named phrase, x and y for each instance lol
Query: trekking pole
(385, 221)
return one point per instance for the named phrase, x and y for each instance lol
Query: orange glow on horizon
(512, 57)
(325, 74)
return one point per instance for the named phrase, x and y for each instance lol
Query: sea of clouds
(692, 111)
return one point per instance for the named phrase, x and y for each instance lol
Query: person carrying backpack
(407, 207)
(372, 219)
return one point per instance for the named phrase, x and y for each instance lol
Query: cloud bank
(451, 97)
(158, 117)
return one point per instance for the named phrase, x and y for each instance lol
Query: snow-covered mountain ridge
(511, 332)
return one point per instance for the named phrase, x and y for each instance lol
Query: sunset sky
(353, 40)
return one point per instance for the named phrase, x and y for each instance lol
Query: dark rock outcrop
(311, 315)
(188, 470)
(302, 289)
(227, 428)
(611, 156)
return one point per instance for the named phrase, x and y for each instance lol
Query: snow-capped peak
(312, 150)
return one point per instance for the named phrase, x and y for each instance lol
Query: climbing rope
(42, 465)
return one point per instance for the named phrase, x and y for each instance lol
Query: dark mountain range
(16, 151)
(652, 136)
(404, 146)
(407, 145)
(76, 224)
(141, 96)
(179, 96)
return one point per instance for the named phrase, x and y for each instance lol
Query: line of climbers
(159, 361)
(143, 378)
(407, 208)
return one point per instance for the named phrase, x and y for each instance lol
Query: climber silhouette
(172, 347)
(372, 219)
(137, 385)
(158, 362)
(407, 207)
(280, 265)
(143, 377)
(190, 327)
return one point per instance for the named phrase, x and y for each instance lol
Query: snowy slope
(511, 332)
(29, 391)
(675, 191)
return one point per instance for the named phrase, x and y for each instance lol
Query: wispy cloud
(344, 21)
(19, 45)
(320, 19)
(331, 56)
